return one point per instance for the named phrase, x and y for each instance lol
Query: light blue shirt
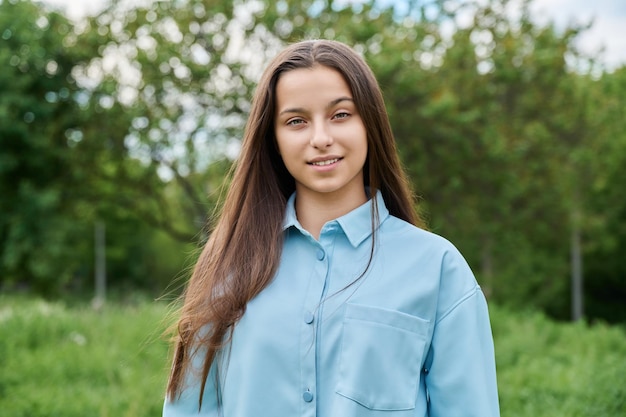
(411, 337)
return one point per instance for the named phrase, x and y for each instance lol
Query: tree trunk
(576, 270)
(100, 265)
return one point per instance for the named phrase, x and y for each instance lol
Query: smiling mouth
(326, 162)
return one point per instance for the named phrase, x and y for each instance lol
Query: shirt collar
(357, 224)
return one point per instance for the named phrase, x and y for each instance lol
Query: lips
(320, 162)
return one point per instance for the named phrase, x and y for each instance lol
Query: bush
(552, 369)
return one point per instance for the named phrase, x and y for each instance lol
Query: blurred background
(119, 121)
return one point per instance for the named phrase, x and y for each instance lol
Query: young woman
(319, 293)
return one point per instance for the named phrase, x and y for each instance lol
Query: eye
(341, 115)
(294, 122)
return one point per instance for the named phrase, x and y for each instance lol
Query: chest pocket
(381, 357)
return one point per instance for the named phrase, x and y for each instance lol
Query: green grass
(73, 361)
(559, 369)
(57, 361)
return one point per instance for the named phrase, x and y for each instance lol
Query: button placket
(308, 347)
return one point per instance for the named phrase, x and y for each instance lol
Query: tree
(63, 163)
(501, 137)
(38, 239)
(604, 203)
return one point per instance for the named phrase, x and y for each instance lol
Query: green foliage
(69, 360)
(606, 286)
(548, 369)
(64, 361)
(36, 109)
(483, 153)
(64, 164)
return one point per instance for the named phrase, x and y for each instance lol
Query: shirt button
(308, 317)
(320, 254)
(307, 396)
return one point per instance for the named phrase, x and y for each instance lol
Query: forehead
(309, 84)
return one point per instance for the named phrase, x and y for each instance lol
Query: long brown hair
(242, 254)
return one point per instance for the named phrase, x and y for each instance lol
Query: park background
(117, 130)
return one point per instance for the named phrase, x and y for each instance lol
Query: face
(321, 137)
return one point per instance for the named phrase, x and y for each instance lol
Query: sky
(608, 33)
(608, 30)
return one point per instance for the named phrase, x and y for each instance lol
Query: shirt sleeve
(186, 404)
(460, 371)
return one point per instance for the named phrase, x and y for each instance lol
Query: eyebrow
(328, 106)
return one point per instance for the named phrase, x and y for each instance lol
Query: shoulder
(405, 235)
(434, 259)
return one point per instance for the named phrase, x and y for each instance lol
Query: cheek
(288, 144)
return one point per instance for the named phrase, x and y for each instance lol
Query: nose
(321, 136)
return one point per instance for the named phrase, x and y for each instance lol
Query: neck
(314, 209)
